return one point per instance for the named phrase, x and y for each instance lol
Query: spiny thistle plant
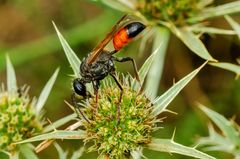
(228, 140)
(110, 136)
(20, 116)
(124, 138)
(65, 154)
(186, 19)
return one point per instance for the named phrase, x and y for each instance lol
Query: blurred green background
(28, 36)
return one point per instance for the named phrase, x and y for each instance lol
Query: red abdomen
(120, 39)
(124, 35)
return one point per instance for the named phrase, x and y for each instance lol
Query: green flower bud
(16, 118)
(112, 137)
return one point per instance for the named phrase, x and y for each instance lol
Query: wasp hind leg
(121, 95)
(77, 107)
(126, 59)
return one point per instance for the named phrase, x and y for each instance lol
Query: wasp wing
(98, 49)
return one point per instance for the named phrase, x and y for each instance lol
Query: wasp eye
(79, 87)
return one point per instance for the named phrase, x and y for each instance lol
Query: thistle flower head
(20, 116)
(113, 136)
(169, 10)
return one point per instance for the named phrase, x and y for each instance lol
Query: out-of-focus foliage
(226, 141)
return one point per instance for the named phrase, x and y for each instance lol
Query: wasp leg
(121, 94)
(77, 107)
(96, 87)
(125, 59)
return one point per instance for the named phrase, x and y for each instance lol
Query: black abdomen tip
(133, 29)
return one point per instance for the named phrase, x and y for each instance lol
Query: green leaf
(159, 49)
(137, 154)
(118, 5)
(71, 56)
(228, 8)
(60, 122)
(77, 154)
(59, 134)
(27, 151)
(212, 30)
(61, 153)
(156, 68)
(46, 91)
(204, 3)
(227, 66)
(160, 103)
(14, 155)
(215, 142)
(192, 42)
(169, 146)
(234, 24)
(147, 65)
(11, 77)
(225, 126)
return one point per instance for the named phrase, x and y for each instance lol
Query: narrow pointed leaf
(146, 66)
(43, 145)
(162, 102)
(60, 122)
(227, 66)
(14, 155)
(144, 41)
(61, 153)
(136, 154)
(215, 141)
(116, 4)
(204, 3)
(59, 134)
(227, 8)
(11, 77)
(71, 56)
(192, 42)
(225, 125)
(155, 68)
(234, 24)
(77, 154)
(46, 91)
(27, 151)
(212, 30)
(167, 145)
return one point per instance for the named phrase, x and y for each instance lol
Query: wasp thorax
(169, 10)
(117, 140)
(18, 119)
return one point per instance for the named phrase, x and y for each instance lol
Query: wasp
(100, 62)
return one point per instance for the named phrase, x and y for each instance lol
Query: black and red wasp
(100, 62)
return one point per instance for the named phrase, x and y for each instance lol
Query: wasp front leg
(77, 107)
(121, 95)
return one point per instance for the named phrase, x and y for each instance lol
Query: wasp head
(79, 87)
